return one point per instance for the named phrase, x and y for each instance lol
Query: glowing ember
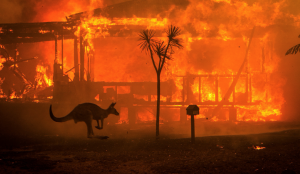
(256, 147)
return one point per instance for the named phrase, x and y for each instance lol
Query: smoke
(43, 10)
(11, 11)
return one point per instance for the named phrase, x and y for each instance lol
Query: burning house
(94, 56)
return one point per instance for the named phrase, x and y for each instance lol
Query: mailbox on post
(192, 110)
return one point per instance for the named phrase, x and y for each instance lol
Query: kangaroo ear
(113, 104)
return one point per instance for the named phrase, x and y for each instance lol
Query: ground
(212, 154)
(32, 143)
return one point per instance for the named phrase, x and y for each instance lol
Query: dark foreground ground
(213, 154)
(30, 142)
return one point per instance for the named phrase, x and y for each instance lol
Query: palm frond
(293, 50)
(172, 34)
(147, 41)
(173, 31)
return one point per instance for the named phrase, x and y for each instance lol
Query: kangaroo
(87, 112)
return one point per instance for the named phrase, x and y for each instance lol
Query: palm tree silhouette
(163, 51)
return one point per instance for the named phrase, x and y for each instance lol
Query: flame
(97, 27)
(44, 31)
(41, 77)
(14, 96)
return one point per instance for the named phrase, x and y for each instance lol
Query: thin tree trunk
(158, 104)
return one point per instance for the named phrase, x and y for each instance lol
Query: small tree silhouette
(163, 51)
(294, 49)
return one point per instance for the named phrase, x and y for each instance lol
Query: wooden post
(55, 61)
(55, 41)
(182, 92)
(192, 129)
(62, 50)
(92, 66)
(81, 57)
(88, 77)
(76, 76)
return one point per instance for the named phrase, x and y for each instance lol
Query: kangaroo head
(112, 110)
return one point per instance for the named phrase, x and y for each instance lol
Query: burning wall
(215, 35)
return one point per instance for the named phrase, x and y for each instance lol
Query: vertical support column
(92, 65)
(76, 75)
(55, 61)
(182, 93)
(81, 57)
(62, 50)
(192, 129)
(88, 75)
(55, 87)
(217, 89)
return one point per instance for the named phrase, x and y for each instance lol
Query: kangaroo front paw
(98, 127)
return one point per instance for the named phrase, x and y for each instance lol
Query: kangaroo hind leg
(98, 127)
(88, 123)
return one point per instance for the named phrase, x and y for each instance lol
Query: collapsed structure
(202, 82)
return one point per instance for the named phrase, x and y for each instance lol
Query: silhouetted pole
(81, 56)
(76, 76)
(192, 110)
(192, 129)
(62, 51)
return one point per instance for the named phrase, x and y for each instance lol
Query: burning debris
(256, 147)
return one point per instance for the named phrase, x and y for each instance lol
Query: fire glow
(216, 34)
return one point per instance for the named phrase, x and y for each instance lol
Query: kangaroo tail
(62, 119)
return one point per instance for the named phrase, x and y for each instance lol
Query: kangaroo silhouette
(87, 112)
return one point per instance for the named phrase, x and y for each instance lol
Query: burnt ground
(35, 144)
(213, 154)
